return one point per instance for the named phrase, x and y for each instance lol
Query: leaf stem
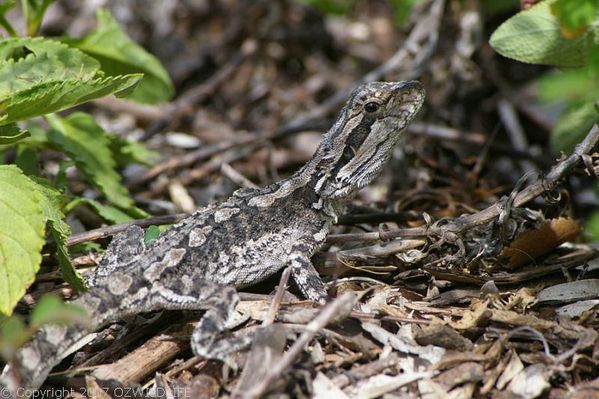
(8, 27)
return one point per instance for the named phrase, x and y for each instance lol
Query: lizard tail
(31, 364)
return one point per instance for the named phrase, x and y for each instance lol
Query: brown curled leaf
(531, 244)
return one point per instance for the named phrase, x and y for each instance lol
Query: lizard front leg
(305, 275)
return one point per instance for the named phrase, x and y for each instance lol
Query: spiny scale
(239, 242)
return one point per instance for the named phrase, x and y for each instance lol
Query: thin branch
(342, 305)
(108, 231)
(461, 224)
(276, 300)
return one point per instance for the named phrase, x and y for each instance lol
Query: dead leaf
(531, 244)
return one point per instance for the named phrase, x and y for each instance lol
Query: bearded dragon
(199, 262)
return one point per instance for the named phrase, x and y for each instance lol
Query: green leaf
(402, 9)
(57, 95)
(26, 62)
(591, 226)
(85, 248)
(120, 55)
(127, 152)
(52, 203)
(27, 160)
(136, 213)
(39, 134)
(573, 125)
(574, 16)
(11, 327)
(86, 143)
(332, 7)
(61, 181)
(13, 334)
(47, 305)
(573, 84)
(498, 6)
(22, 223)
(534, 36)
(39, 76)
(51, 309)
(6, 6)
(33, 11)
(109, 213)
(151, 234)
(10, 134)
(69, 273)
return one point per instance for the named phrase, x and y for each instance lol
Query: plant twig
(342, 305)
(276, 300)
(463, 223)
(103, 232)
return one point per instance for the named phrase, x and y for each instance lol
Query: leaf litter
(453, 276)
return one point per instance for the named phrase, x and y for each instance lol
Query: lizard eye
(371, 107)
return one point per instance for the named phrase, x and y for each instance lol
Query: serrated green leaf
(572, 126)
(10, 134)
(86, 143)
(52, 203)
(27, 62)
(22, 223)
(54, 96)
(120, 55)
(534, 36)
(39, 76)
(109, 213)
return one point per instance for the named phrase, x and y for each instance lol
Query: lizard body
(236, 243)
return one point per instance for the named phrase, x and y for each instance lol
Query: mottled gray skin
(237, 243)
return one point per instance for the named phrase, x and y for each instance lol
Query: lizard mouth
(408, 100)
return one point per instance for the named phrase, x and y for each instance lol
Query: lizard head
(356, 148)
